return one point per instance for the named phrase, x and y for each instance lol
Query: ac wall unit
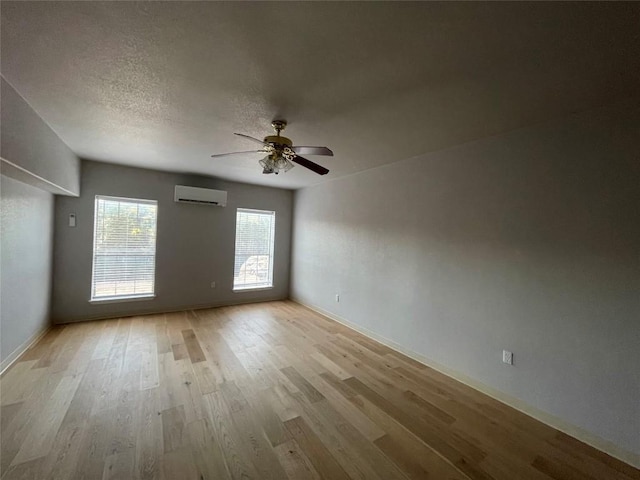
(201, 196)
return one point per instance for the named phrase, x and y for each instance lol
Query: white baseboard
(544, 417)
(13, 356)
(153, 311)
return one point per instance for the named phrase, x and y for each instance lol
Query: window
(124, 248)
(255, 230)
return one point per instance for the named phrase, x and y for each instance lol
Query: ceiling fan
(281, 152)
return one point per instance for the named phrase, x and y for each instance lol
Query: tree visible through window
(255, 230)
(124, 248)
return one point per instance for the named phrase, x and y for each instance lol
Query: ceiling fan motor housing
(278, 140)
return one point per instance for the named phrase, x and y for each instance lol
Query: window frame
(125, 297)
(270, 284)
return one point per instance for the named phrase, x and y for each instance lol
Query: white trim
(252, 289)
(253, 210)
(123, 299)
(57, 188)
(127, 199)
(26, 345)
(553, 421)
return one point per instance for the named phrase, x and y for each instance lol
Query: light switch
(72, 219)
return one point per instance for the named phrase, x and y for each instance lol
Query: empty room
(320, 240)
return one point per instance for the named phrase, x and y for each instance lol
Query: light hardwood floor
(263, 391)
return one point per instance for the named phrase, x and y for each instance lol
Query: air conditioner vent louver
(189, 200)
(200, 196)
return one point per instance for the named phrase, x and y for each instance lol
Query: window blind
(124, 248)
(255, 232)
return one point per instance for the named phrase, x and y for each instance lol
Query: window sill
(132, 298)
(251, 289)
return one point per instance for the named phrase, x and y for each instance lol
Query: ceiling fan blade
(313, 151)
(314, 167)
(251, 138)
(237, 153)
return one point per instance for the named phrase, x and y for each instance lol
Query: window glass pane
(253, 267)
(124, 248)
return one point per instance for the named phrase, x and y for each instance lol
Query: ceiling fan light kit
(282, 154)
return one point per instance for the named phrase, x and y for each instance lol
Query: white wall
(195, 243)
(528, 241)
(26, 229)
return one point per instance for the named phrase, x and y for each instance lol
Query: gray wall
(195, 243)
(528, 241)
(26, 230)
(31, 151)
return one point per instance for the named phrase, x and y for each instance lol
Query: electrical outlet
(213, 284)
(337, 298)
(507, 357)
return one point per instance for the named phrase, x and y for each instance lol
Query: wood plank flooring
(263, 391)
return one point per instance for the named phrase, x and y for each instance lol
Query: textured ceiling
(165, 84)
